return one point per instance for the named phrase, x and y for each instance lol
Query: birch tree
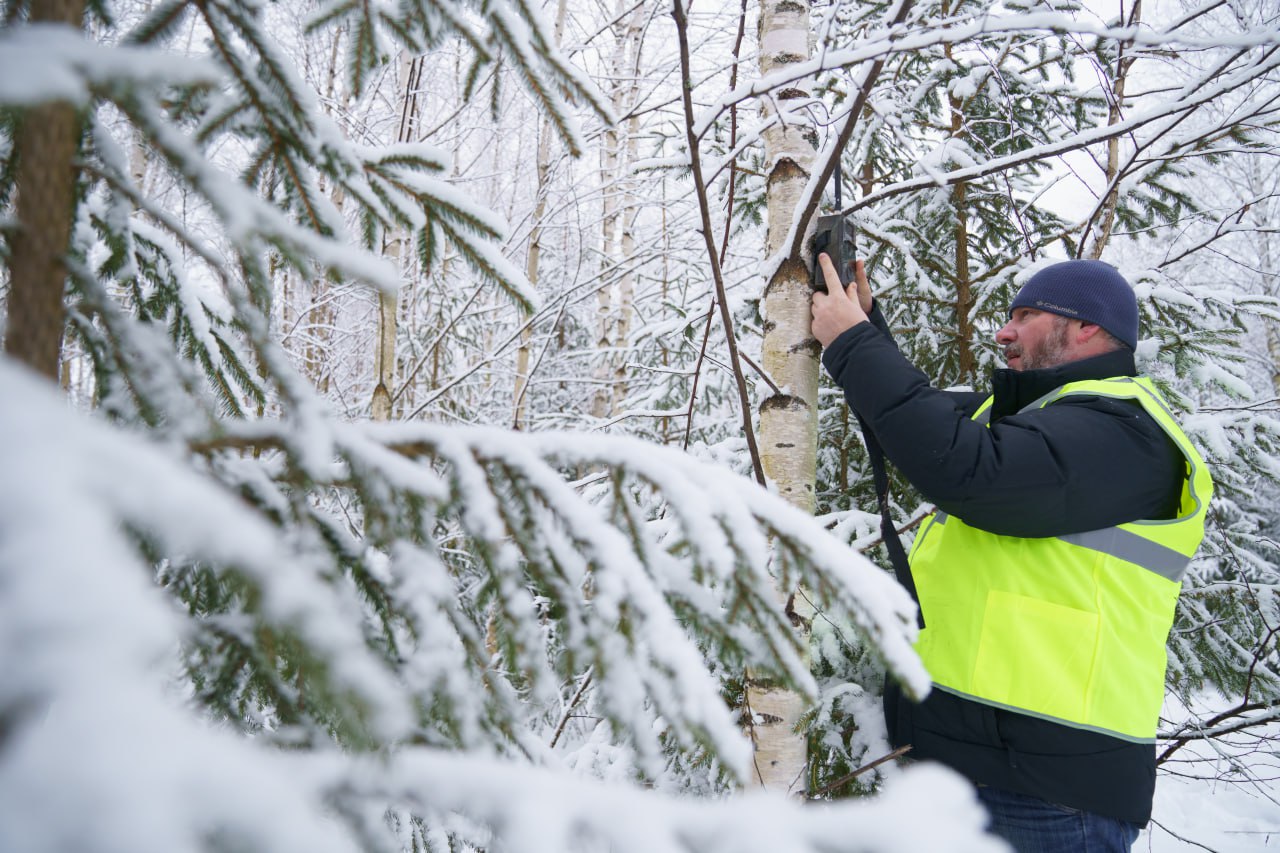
(233, 606)
(393, 249)
(788, 417)
(482, 596)
(533, 254)
(615, 296)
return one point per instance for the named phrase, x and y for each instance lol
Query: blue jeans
(1033, 825)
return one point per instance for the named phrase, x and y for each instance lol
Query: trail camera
(835, 236)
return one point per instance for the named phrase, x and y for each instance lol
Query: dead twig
(826, 789)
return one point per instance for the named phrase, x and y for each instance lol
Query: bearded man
(1069, 504)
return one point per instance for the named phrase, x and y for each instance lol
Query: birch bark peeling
(789, 355)
(788, 421)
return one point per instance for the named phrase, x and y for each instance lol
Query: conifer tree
(364, 612)
(325, 635)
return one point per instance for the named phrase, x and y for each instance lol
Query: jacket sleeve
(1080, 464)
(876, 316)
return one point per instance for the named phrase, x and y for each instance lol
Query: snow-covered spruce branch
(628, 821)
(78, 487)
(688, 487)
(614, 577)
(1215, 84)
(292, 143)
(919, 36)
(723, 525)
(514, 35)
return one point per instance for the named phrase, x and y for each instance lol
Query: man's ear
(1086, 332)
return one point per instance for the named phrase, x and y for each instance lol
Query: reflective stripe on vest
(1070, 628)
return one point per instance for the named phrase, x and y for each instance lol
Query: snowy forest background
(388, 387)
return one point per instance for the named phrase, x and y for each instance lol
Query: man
(1069, 504)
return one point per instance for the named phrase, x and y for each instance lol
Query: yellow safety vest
(1070, 628)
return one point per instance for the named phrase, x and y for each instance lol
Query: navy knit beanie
(1092, 291)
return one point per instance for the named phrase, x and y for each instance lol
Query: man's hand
(838, 310)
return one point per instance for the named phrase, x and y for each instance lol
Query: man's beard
(1050, 352)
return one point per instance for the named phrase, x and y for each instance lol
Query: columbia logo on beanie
(1057, 309)
(1093, 291)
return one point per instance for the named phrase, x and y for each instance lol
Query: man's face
(1034, 339)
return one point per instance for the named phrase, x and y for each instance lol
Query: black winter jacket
(1081, 464)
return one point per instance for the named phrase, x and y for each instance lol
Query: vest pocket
(1036, 655)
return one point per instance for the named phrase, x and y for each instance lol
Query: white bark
(389, 302)
(627, 284)
(788, 420)
(614, 300)
(523, 354)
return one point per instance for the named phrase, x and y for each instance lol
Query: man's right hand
(838, 310)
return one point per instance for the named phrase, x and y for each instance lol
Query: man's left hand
(837, 310)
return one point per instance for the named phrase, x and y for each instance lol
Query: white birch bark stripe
(788, 426)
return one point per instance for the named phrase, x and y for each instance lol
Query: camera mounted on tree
(834, 235)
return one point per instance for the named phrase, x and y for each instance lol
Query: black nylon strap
(889, 533)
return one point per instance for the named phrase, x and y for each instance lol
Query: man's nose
(1005, 335)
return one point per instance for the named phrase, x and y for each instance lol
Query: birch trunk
(788, 420)
(521, 395)
(609, 158)
(389, 301)
(614, 298)
(627, 283)
(321, 313)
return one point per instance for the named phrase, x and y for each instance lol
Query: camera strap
(879, 473)
(888, 532)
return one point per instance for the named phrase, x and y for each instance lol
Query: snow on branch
(1210, 86)
(572, 814)
(705, 553)
(514, 34)
(464, 576)
(42, 63)
(920, 36)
